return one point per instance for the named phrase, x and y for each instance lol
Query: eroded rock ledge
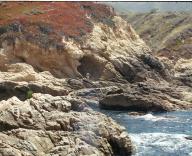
(146, 97)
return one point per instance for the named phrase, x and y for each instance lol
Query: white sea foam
(161, 144)
(154, 118)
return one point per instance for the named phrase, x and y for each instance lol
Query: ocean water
(162, 134)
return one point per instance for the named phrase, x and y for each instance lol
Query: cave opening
(93, 66)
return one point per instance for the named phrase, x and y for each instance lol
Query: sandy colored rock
(54, 74)
(47, 125)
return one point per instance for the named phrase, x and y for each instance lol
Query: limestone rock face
(123, 49)
(108, 53)
(47, 125)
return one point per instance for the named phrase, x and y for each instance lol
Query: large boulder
(145, 97)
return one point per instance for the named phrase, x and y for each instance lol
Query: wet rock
(188, 137)
(131, 102)
(136, 113)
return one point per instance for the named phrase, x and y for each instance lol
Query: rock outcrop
(145, 97)
(60, 125)
(59, 61)
(38, 114)
(111, 50)
(21, 78)
(102, 45)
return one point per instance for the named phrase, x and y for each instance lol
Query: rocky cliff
(60, 62)
(169, 35)
(98, 43)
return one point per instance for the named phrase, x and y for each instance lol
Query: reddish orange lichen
(66, 18)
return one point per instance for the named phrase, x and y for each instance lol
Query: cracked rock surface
(60, 125)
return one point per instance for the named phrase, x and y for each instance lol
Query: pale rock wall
(107, 46)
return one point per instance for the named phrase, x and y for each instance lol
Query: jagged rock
(188, 137)
(76, 84)
(47, 125)
(51, 72)
(104, 59)
(21, 77)
(96, 92)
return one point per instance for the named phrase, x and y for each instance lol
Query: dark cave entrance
(93, 66)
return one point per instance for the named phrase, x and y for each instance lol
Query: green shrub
(3, 30)
(34, 12)
(178, 42)
(29, 94)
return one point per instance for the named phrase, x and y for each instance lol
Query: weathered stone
(46, 92)
(40, 125)
(144, 97)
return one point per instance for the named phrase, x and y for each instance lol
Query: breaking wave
(160, 134)
(162, 144)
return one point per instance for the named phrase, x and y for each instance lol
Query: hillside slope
(169, 34)
(162, 29)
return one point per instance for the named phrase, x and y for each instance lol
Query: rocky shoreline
(51, 72)
(59, 125)
(56, 119)
(48, 123)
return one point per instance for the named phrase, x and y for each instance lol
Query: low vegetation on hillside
(45, 22)
(167, 33)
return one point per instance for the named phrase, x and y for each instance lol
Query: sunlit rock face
(106, 47)
(58, 61)
(44, 49)
(59, 125)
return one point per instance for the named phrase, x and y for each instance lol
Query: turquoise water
(158, 134)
